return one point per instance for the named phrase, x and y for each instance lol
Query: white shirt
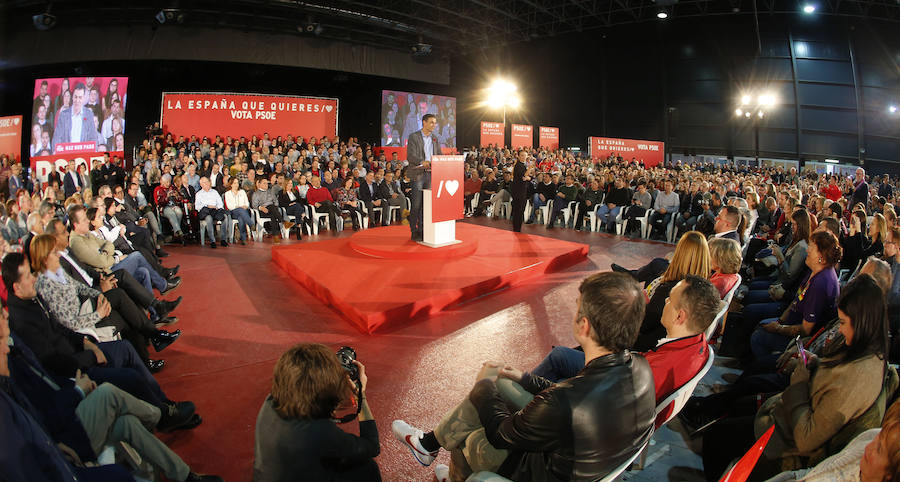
(84, 275)
(239, 200)
(75, 132)
(208, 198)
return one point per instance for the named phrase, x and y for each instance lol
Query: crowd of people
(809, 263)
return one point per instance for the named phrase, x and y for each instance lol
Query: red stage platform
(379, 278)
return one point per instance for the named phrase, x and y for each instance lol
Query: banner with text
(651, 152)
(11, 136)
(549, 137)
(236, 115)
(492, 133)
(522, 136)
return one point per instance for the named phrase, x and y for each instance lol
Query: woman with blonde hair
(724, 262)
(691, 257)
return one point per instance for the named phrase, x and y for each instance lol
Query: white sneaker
(411, 437)
(442, 473)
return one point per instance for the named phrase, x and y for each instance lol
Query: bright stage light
(808, 8)
(747, 115)
(761, 114)
(514, 101)
(745, 99)
(501, 94)
(662, 15)
(738, 112)
(892, 109)
(766, 100)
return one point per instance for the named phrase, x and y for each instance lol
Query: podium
(442, 205)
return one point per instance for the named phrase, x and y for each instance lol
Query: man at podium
(419, 149)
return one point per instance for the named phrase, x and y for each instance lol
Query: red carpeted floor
(241, 312)
(378, 279)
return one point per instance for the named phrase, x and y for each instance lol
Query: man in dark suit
(217, 179)
(419, 149)
(75, 124)
(368, 194)
(71, 181)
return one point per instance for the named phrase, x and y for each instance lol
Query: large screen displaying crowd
(78, 114)
(401, 115)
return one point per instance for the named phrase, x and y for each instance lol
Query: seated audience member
(389, 190)
(296, 436)
(640, 203)
(169, 199)
(726, 223)
(815, 300)
(583, 427)
(136, 225)
(565, 193)
(114, 232)
(593, 197)
(63, 295)
(320, 199)
(790, 267)
(617, 198)
(346, 198)
(265, 200)
(94, 250)
(725, 262)
(824, 397)
(94, 416)
(872, 455)
(691, 258)
(471, 187)
(368, 196)
(543, 193)
(699, 411)
(211, 208)
(291, 201)
(664, 207)
(63, 352)
(691, 307)
(238, 204)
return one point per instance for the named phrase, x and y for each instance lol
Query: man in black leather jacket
(579, 429)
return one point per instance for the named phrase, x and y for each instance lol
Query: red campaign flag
(522, 136)
(651, 152)
(549, 137)
(742, 469)
(493, 133)
(447, 188)
(236, 115)
(11, 136)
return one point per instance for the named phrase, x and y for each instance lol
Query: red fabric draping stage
(378, 278)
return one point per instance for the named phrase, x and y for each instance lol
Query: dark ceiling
(451, 27)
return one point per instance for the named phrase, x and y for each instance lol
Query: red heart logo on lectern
(452, 186)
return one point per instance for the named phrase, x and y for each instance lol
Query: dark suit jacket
(70, 184)
(415, 152)
(385, 189)
(219, 185)
(519, 186)
(126, 281)
(365, 195)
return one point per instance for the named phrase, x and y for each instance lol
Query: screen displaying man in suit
(75, 124)
(421, 146)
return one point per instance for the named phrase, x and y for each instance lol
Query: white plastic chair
(317, 217)
(203, 229)
(569, 211)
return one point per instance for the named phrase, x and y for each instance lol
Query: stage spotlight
(739, 112)
(515, 101)
(809, 8)
(44, 21)
(662, 15)
(766, 100)
(745, 99)
(892, 109)
(747, 115)
(161, 17)
(760, 114)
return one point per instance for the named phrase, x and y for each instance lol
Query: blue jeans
(243, 219)
(660, 221)
(760, 311)
(607, 216)
(755, 296)
(764, 344)
(137, 265)
(561, 363)
(536, 205)
(211, 216)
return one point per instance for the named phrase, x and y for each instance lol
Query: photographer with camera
(296, 433)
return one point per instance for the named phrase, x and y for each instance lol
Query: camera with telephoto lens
(347, 356)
